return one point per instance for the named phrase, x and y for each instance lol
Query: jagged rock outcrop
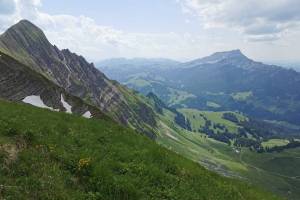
(27, 43)
(20, 83)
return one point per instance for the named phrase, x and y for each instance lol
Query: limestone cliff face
(18, 82)
(27, 43)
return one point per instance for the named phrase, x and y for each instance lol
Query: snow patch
(87, 114)
(67, 106)
(35, 101)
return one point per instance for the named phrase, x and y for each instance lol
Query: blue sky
(264, 30)
(154, 16)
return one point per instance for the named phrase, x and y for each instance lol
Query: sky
(264, 30)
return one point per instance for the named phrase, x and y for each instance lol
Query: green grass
(50, 155)
(138, 82)
(178, 96)
(275, 142)
(276, 172)
(242, 96)
(212, 104)
(197, 121)
(199, 147)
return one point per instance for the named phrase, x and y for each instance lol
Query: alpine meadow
(136, 99)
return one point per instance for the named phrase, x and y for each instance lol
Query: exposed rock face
(28, 44)
(18, 82)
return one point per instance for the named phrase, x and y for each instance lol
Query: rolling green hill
(274, 171)
(220, 82)
(48, 155)
(237, 130)
(197, 119)
(51, 155)
(265, 169)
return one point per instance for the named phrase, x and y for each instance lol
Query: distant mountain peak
(237, 50)
(228, 54)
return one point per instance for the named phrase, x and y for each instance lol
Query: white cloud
(269, 19)
(84, 36)
(28, 8)
(18, 9)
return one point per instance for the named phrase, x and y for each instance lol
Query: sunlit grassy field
(197, 121)
(51, 155)
(275, 142)
(273, 171)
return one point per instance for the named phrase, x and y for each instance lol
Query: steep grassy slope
(50, 155)
(276, 172)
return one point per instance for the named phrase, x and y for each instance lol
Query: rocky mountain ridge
(223, 81)
(28, 44)
(21, 84)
